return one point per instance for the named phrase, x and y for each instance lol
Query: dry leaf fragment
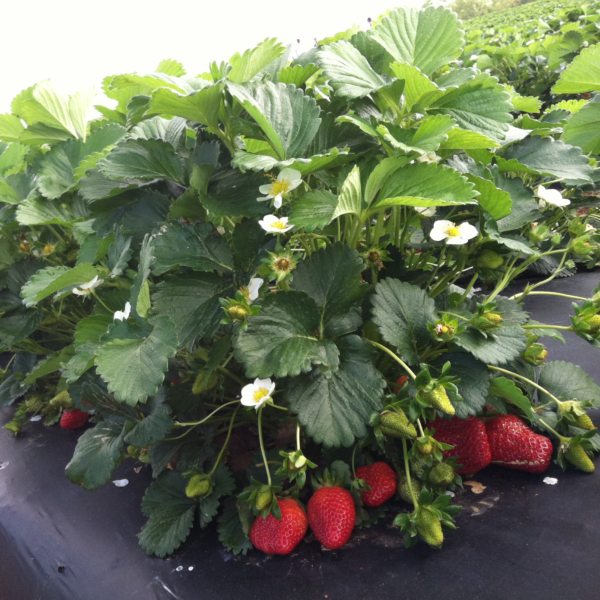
(476, 487)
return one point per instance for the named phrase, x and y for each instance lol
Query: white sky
(76, 43)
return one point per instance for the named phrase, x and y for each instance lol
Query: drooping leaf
(134, 368)
(192, 303)
(350, 198)
(332, 278)
(335, 409)
(11, 128)
(491, 199)
(283, 340)
(197, 246)
(18, 324)
(155, 424)
(402, 312)
(499, 347)
(506, 388)
(96, 455)
(582, 75)
(583, 129)
(231, 531)
(246, 66)
(38, 211)
(170, 512)
(53, 279)
(119, 254)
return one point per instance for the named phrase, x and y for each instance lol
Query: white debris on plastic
(190, 568)
(449, 493)
(550, 480)
(36, 418)
(3, 465)
(180, 568)
(121, 482)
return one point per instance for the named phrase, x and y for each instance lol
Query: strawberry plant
(289, 274)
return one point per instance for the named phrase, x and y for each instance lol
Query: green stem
(530, 288)
(560, 437)
(262, 446)
(546, 294)
(563, 327)
(469, 288)
(99, 300)
(396, 358)
(407, 469)
(226, 442)
(353, 456)
(194, 424)
(420, 427)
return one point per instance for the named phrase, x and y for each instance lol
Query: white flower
(589, 227)
(452, 233)
(275, 224)
(428, 211)
(122, 314)
(553, 197)
(473, 57)
(287, 180)
(251, 291)
(87, 288)
(257, 393)
(429, 157)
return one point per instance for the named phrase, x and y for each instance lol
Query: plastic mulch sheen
(520, 538)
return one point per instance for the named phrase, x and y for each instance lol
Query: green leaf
(481, 105)
(49, 365)
(47, 106)
(155, 424)
(296, 75)
(582, 75)
(424, 185)
(283, 339)
(82, 361)
(170, 67)
(197, 246)
(11, 128)
(245, 67)
(18, 324)
(380, 174)
(350, 198)
(495, 201)
(223, 484)
(418, 88)
(567, 381)
(549, 157)
(144, 159)
(157, 128)
(170, 512)
(134, 368)
(95, 395)
(10, 390)
(192, 303)
(288, 118)
(53, 279)
(506, 388)
(37, 211)
(332, 278)
(348, 70)
(202, 106)
(231, 531)
(426, 39)
(144, 266)
(461, 139)
(426, 138)
(402, 312)
(314, 210)
(96, 455)
(12, 158)
(499, 347)
(334, 408)
(583, 129)
(250, 244)
(473, 385)
(119, 254)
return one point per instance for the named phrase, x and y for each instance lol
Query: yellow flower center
(279, 225)
(246, 293)
(48, 249)
(259, 394)
(452, 231)
(279, 186)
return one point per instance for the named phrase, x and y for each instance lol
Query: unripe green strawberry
(34, 403)
(264, 499)
(61, 400)
(404, 490)
(424, 448)
(14, 427)
(205, 380)
(594, 323)
(238, 312)
(438, 398)
(395, 424)
(488, 259)
(577, 456)
(494, 320)
(430, 528)
(144, 456)
(133, 451)
(441, 474)
(584, 422)
(199, 485)
(418, 466)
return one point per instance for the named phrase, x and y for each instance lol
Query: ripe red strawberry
(470, 442)
(515, 446)
(280, 536)
(74, 419)
(400, 383)
(331, 516)
(383, 481)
